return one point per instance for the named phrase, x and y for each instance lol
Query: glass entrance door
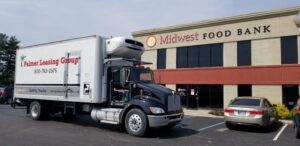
(290, 95)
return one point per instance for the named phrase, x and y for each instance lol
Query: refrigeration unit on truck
(96, 75)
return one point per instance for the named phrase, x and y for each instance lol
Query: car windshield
(246, 102)
(141, 75)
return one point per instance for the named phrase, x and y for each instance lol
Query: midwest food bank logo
(199, 35)
(151, 41)
(44, 62)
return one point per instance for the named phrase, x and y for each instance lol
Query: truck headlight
(157, 110)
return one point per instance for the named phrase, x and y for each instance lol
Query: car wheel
(229, 125)
(2, 100)
(136, 122)
(37, 111)
(297, 131)
(268, 126)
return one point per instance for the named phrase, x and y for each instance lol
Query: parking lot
(17, 128)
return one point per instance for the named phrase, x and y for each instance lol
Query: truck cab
(131, 88)
(141, 102)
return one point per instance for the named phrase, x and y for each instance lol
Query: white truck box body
(44, 72)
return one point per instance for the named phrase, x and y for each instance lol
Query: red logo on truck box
(44, 62)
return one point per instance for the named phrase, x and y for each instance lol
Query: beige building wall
(171, 86)
(266, 52)
(298, 43)
(278, 26)
(150, 56)
(230, 92)
(230, 54)
(171, 58)
(272, 92)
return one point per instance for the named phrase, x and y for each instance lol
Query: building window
(216, 55)
(193, 56)
(244, 90)
(161, 59)
(182, 57)
(244, 53)
(204, 56)
(289, 54)
(200, 56)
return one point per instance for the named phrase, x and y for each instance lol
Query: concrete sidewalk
(200, 113)
(205, 113)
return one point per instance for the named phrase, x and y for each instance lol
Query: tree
(8, 46)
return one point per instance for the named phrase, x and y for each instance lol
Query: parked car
(296, 119)
(250, 111)
(6, 95)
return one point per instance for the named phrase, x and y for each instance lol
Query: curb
(286, 121)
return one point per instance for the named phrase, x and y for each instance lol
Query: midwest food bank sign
(174, 38)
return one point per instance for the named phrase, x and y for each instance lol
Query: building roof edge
(220, 21)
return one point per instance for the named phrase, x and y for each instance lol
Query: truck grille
(174, 104)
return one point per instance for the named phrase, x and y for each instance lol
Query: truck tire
(38, 110)
(136, 122)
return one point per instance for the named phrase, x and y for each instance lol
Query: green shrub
(293, 112)
(217, 112)
(283, 111)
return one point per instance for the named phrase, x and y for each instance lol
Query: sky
(40, 21)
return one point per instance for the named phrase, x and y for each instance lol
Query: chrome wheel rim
(135, 122)
(34, 110)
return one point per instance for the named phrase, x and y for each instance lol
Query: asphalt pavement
(18, 129)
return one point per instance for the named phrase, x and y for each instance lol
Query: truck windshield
(141, 75)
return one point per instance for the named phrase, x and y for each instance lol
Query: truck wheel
(136, 122)
(37, 111)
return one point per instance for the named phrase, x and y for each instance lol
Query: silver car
(250, 111)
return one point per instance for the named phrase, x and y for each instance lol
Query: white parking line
(279, 133)
(202, 129)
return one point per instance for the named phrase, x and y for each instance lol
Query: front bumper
(164, 120)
